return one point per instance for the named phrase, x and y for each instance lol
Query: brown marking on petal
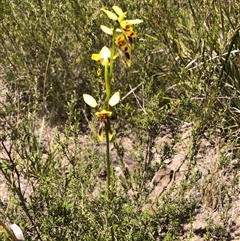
(121, 40)
(127, 27)
(125, 49)
(130, 40)
(128, 56)
(100, 132)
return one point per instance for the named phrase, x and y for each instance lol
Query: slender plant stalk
(108, 77)
(112, 52)
(108, 85)
(109, 188)
(108, 71)
(108, 162)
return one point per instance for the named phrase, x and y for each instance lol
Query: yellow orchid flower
(124, 41)
(129, 34)
(125, 49)
(103, 115)
(100, 131)
(104, 56)
(119, 17)
(127, 30)
(126, 58)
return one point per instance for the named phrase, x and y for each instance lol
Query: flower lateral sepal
(107, 30)
(119, 16)
(89, 100)
(115, 99)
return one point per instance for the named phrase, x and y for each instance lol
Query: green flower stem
(109, 188)
(108, 161)
(108, 85)
(108, 70)
(112, 52)
(108, 73)
(108, 76)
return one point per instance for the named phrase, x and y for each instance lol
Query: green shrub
(185, 70)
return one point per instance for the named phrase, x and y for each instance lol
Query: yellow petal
(134, 21)
(117, 10)
(129, 62)
(105, 52)
(111, 15)
(99, 72)
(107, 30)
(103, 114)
(120, 13)
(110, 135)
(114, 99)
(96, 57)
(127, 59)
(121, 40)
(88, 99)
(105, 55)
(115, 56)
(118, 30)
(128, 30)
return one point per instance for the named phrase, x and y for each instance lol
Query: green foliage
(185, 70)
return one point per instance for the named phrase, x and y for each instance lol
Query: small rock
(17, 231)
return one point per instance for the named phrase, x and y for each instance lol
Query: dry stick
(11, 235)
(141, 107)
(18, 190)
(210, 59)
(131, 91)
